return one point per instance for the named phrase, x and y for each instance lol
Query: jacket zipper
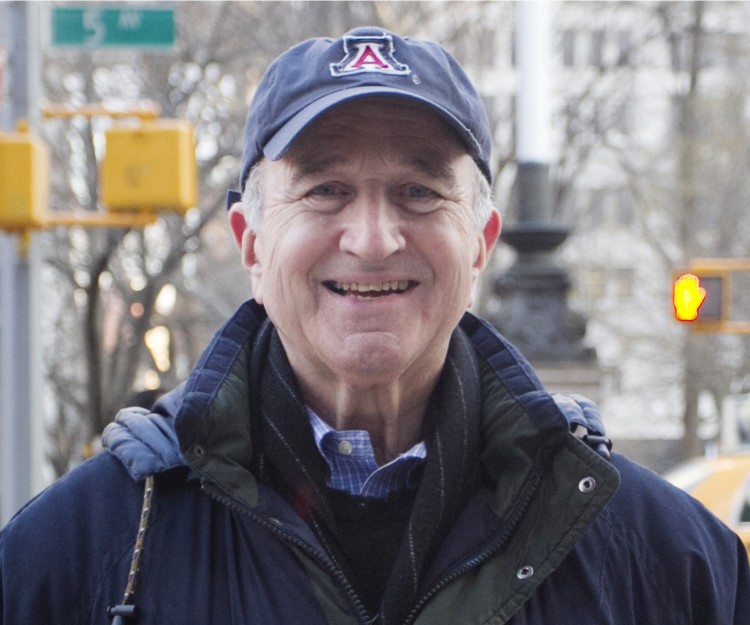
(482, 557)
(360, 612)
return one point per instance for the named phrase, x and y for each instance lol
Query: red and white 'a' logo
(369, 54)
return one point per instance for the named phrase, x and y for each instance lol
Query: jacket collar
(176, 433)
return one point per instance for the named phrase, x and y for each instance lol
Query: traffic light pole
(154, 172)
(21, 436)
(19, 391)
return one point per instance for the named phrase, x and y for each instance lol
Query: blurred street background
(635, 169)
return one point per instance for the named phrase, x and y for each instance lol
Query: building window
(487, 46)
(624, 48)
(596, 49)
(569, 48)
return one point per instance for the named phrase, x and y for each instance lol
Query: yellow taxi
(722, 484)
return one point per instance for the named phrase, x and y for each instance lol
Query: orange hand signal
(687, 296)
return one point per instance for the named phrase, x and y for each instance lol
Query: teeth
(393, 285)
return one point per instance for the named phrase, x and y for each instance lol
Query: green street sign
(125, 26)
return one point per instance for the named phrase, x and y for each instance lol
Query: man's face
(367, 254)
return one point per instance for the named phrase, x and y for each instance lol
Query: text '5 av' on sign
(97, 26)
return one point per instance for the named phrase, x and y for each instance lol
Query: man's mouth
(370, 289)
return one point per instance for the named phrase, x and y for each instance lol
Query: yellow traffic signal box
(714, 296)
(24, 181)
(150, 167)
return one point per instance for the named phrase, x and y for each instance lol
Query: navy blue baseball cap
(319, 74)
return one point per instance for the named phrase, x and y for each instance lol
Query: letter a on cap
(368, 54)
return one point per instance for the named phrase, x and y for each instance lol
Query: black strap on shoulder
(585, 422)
(126, 611)
(600, 444)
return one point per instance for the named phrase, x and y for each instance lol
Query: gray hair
(252, 202)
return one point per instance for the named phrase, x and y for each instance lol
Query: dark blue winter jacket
(555, 533)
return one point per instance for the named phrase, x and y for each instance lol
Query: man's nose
(373, 228)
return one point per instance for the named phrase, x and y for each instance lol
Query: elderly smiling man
(353, 446)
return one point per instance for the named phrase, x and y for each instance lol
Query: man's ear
(485, 244)
(237, 223)
(245, 240)
(487, 240)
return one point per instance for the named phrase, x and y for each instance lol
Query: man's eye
(419, 191)
(327, 197)
(326, 190)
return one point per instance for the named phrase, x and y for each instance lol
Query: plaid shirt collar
(351, 461)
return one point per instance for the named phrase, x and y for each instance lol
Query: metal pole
(533, 114)
(16, 400)
(20, 383)
(534, 89)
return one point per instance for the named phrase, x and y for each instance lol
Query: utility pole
(21, 455)
(150, 169)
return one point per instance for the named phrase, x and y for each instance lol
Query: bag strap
(127, 610)
(585, 422)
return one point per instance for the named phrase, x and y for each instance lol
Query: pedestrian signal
(700, 297)
(687, 296)
(150, 167)
(24, 181)
(713, 295)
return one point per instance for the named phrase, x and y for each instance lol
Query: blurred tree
(711, 184)
(666, 125)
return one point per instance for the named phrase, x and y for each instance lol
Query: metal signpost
(88, 26)
(21, 455)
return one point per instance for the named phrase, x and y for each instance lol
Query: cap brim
(278, 145)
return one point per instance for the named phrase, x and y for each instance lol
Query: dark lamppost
(534, 312)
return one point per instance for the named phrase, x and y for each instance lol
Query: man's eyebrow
(434, 167)
(310, 165)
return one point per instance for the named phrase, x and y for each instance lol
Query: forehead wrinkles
(433, 166)
(410, 133)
